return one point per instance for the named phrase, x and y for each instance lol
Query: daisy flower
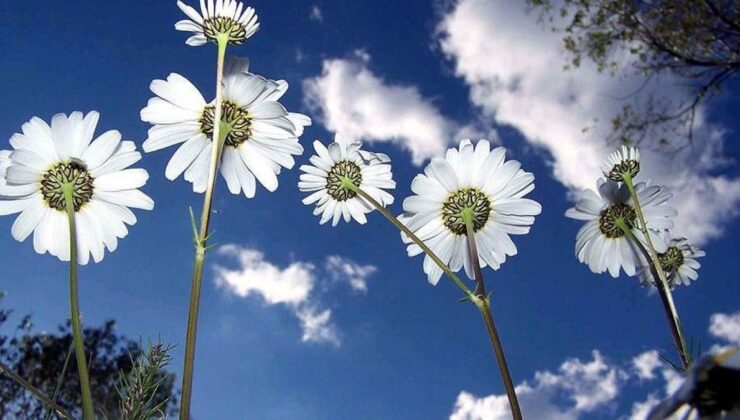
(475, 179)
(46, 157)
(678, 262)
(601, 243)
(224, 17)
(259, 136)
(370, 172)
(623, 161)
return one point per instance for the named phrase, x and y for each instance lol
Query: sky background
(302, 321)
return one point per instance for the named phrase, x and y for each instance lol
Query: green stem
(34, 391)
(388, 215)
(483, 304)
(88, 411)
(661, 282)
(480, 302)
(201, 240)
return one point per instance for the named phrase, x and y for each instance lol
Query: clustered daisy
(259, 136)
(44, 159)
(222, 17)
(331, 167)
(478, 180)
(613, 239)
(602, 243)
(679, 261)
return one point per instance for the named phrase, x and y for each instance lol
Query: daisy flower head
(222, 18)
(679, 262)
(481, 183)
(258, 135)
(602, 243)
(46, 160)
(625, 161)
(334, 166)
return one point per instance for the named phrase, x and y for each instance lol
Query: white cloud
(586, 386)
(293, 287)
(316, 14)
(671, 380)
(345, 270)
(592, 387)
(317, 326)
(496, 407)
(512, 64)
(359, 105)
(726, 327)
(646, 363)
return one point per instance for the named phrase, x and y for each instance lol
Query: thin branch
(33, 390)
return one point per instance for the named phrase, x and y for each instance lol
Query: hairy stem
(202, 238)
(483, 305)
(88, 412)
(661, 281)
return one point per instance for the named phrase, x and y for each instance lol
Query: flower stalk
(661, 282)
(201, 239)
(88, 412)
(348, 184)
(479, 298)
(482, 302)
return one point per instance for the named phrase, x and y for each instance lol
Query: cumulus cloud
(512, 65)
(293, 287)
(345, 270)
(586, 386)
(646, 363)
(579, 390)
(357, 104)
(726, 327)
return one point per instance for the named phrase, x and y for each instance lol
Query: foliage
(40, 358)
(140, 398)
(696, 41)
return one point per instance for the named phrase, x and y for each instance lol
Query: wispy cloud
(512, 65)
(317, 325)
(357, 104)
(316, 14)
(345, 270)
(293, 286)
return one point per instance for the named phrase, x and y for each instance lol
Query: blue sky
(408, 78)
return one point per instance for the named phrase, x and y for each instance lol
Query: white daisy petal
(185, 156)
(234, 22)
(64, 153)
(101, 149)
(122, 180)
(192, 13)
(601, 244)
(678, 259)
(262, 136)
(470, 178)
(323, 182)
(25, 224)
